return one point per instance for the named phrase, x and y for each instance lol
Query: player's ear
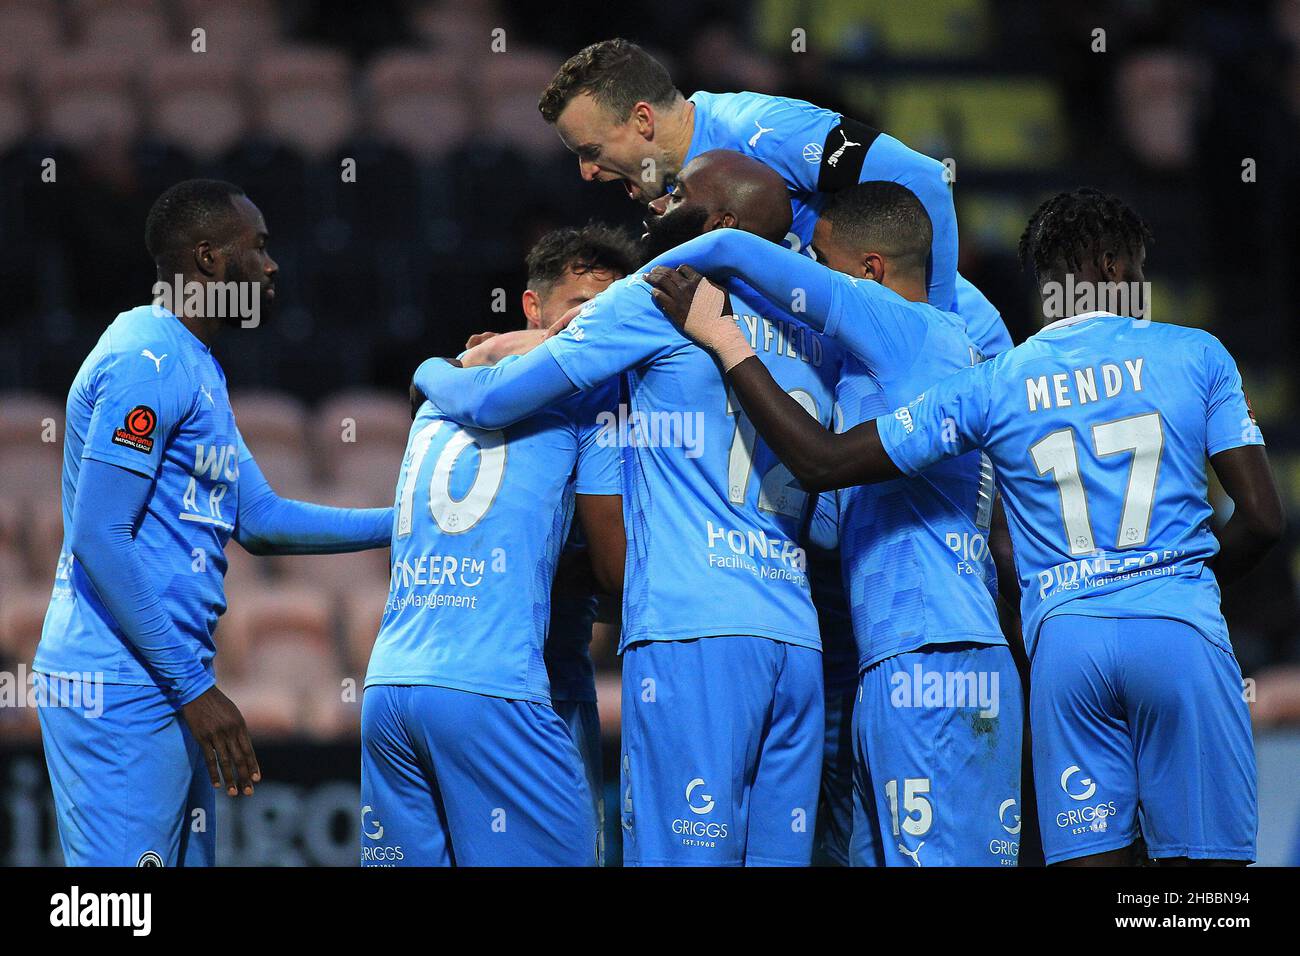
(643, 120)
(873, 266)
(723, 220)
(1111, 266)
(532, 306)
(208, 259)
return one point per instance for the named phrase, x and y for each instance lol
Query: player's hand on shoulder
(219, 729)
(479, 338)
(692, 303)
(493, 349)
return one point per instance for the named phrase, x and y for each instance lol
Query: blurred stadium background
(456, 175)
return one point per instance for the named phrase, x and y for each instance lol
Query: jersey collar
(167, 317)
(1075, 319)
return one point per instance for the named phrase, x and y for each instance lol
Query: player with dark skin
(230, 251)
(691, 199)
(242, 257)
(823, 460)
(230, 248)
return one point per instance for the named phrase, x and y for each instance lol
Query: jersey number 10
(453, 515)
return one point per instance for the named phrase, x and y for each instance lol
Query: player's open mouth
(633, 190)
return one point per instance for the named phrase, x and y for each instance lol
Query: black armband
(843, 154)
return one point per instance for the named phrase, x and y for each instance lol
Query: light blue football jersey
(916, 560)
(800, 141)
(713, 519)
(151, 398)
(1099, 428)
(917, 564)
(479, 519)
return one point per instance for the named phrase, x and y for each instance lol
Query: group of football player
(853, 544)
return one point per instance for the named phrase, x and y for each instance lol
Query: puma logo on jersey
(834, 157)
(156, 359)
(913, 855)
(207, 393)
(753, 140)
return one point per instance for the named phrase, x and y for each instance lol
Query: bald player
(722, 681)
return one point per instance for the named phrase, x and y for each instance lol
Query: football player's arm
(1004, 558)
(269, 524)
(110, 504)
(1235, 448)
(819, 459)
(1008, 582)
(883, 329)
(1257, 521)
(109, 507)
(617, 330)
(602, 524)
(497, 346)
(786, 279)
(493, 396)
(599, 490)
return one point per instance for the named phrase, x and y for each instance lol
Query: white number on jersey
(1144, 436)
(453, 516)
(777, 492)
(913, 803)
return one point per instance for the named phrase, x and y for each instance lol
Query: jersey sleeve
(494, 396)
(984, 325)
(876, 324)
(137, 406)
(1229, 421)
(793, 283)
(600, 460)
(617, 330)
(945, 421)
(787, 135)
(927, 178)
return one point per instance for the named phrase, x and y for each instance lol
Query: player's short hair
(594, 246)
(882, 216)
(1078, 226)
(617, 73)
(191, 210)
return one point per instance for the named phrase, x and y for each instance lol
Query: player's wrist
(729, 345)
(707, 305)
(195, 686)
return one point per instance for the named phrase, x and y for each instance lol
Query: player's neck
(201, 327)
(205, 330)
(913, 290)
(679, 131)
